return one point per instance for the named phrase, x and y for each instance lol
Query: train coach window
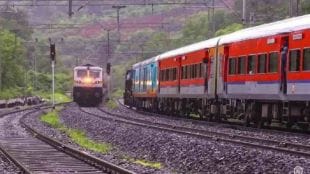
(185, 72)
(241, 65)
(200, 70)
(251, 64)
(262, 58)
(294, 60)
(167, 75)
(189, 68)
(306, 61)
(194, 71)
(174, 73)
(232, 66)
(273, 62)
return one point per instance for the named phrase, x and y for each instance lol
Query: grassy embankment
(76, 136)
(80, 138)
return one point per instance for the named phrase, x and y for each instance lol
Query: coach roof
(265, 30)
(270, 29)
(190, 48)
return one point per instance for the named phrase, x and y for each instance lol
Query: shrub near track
(77, 136)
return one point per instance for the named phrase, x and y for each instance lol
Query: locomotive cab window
(306, 61)
(232, 66)
(262, 58)
(251, 64)
(82, 73)
(241, 65)
(94, 74)
(294, 60)
(273, 62)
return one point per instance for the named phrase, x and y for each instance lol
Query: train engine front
(88, 85)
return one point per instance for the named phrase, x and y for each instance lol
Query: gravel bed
(7, 166)
(180, 153)
(8, 128)
(113, 157)
(222, 128)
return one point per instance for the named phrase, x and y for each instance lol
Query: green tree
(229, 29)
(305, 4)
(11, 60)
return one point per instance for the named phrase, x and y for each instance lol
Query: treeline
(19, 54)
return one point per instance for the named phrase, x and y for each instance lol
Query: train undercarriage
(87, 96)
(259, 113)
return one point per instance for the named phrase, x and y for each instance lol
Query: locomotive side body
(88, 85)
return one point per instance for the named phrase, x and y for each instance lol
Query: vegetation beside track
(146, 163)
(59, 97)
(77, 136)
(80, 138)
(112, 104)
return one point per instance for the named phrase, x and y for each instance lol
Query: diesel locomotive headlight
(87, 80)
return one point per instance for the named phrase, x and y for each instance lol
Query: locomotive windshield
(82, 73)
(94, 74)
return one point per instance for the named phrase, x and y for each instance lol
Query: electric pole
(244, 21)
(213, 17)
(108, 47)
(118, 8)
(70, 12)
(35, 64)
(294, 8)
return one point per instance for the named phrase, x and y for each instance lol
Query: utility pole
(213, 17)
(142, 52)
(70, 12)
(290, 8)
(244, 21)
(297, 7)
(118, 8)
(35, 64)
(252, 19)
(53, 59)
(108, 47)
(294, 7)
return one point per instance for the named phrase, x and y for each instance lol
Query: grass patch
(144, 163)
(117, 93)
(111, 104)
(52, 119)
(77, 136)
(59, 97)
(80, 138)
(151, 164)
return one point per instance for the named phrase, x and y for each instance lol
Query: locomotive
(259, 75)
(89, 87)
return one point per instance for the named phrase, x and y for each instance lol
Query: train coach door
(283, 60)
(205, 73)
(153, 76)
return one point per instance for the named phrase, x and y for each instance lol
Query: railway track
(256, 142)
(33, 152)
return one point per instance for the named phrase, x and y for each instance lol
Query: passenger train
(258, 75)
(89, 88)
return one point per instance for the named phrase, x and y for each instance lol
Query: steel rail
(290, 148)
(100, 164)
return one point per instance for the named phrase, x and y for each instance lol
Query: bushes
(11, 93)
